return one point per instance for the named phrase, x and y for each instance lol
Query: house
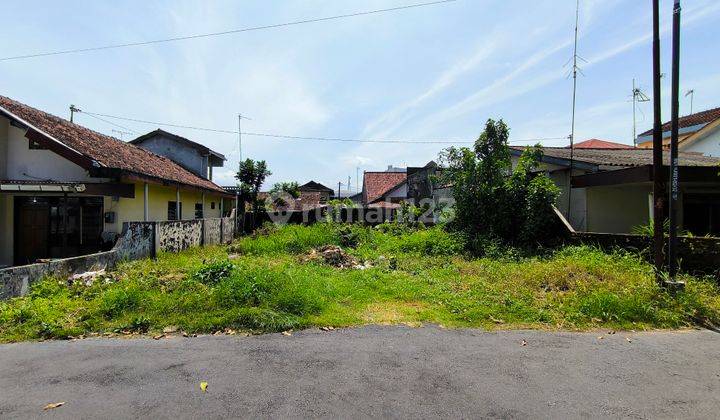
(66, 190)
(384, 189)
(698, 132)
(395, 185)
(194, 157)
(310, 188)
(611, 189)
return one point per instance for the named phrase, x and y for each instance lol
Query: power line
(328, 139)
(108, 122)
(229, 32)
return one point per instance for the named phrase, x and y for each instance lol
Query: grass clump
(406, 276)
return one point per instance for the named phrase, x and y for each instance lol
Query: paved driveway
(364, 372)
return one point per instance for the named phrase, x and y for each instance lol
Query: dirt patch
(331, 255)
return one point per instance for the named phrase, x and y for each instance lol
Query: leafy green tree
(291, 188)
(251, 176)
(493, 200)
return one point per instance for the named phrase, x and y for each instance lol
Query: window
(172, 213)
(212, 205)
(198, 210)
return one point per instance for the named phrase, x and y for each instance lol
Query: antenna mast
(572, 128)
(637, 96)
(691, 94)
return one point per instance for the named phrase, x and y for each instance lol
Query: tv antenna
(691, 94)
(120, 132)
(637, 96)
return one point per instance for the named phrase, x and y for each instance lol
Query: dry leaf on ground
(54, 405)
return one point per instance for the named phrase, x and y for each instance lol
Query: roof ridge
(78, 131)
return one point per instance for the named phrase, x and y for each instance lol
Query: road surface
(374, 371)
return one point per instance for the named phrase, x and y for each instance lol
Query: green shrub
(118, 300)
(213, 272)
(140, 324)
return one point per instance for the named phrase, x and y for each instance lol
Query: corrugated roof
(107, 151)
(623, 157)
(702, 117)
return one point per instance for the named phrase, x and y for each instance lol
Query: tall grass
(408, 275)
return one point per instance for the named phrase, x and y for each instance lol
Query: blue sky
(435, 72)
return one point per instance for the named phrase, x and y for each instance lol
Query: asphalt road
(368, 372)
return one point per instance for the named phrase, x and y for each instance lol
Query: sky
(428, 73)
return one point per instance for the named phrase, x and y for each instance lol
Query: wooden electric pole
(658, 184)
(675, 111)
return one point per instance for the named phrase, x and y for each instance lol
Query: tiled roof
(314, 186)
(623, 157)
(702, 117)
(375, 184)
(600, 144)
(107, 151)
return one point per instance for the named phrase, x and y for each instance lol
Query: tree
(495, 201)
(291, 188)
(251, 175)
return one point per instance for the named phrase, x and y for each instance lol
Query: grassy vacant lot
(267, 283)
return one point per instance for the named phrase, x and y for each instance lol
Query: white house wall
(709, 145)
(617, 209)
(22, 163)
(4, 124)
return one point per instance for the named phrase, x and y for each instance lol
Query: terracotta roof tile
(600, 144)
(702, 117)
(623, 157)
(375, 184)
(109, 152)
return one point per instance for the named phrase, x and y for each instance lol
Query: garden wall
(138, 240)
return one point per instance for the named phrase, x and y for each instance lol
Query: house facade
(194, 157)
(697, 133)
(610, 190)
(66, 190)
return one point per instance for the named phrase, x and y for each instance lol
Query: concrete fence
(138, 240)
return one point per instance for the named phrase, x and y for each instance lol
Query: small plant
(140, 324)
(214, 272)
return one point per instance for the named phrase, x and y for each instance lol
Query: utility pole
(357, 179)
(348, 185)
(572, 128)
(237, 193)
(73, 110)
(675, 111)
(658, 187)
(339, 184)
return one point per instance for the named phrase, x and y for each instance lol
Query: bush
(492, 199)
(290, 238)
(213, 273)
(118, 300)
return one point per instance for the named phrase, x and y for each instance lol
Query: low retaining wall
(696, 254)
(138, 240)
